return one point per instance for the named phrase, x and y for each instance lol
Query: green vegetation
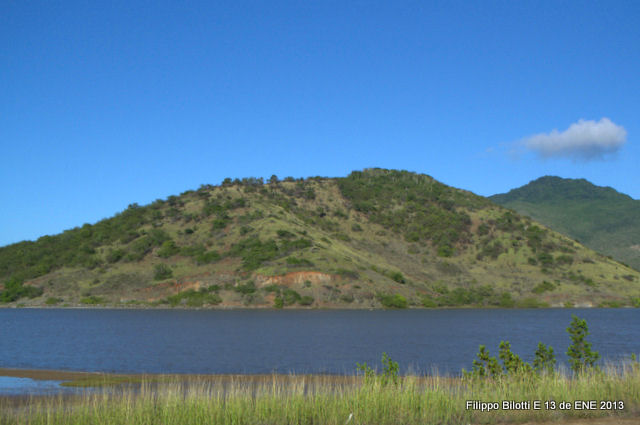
(580, 354)
(581, 358)
(162, 271)
(93, 300)
(193, 298)
(14, 289)
(335, 242)
(599, 217)
(376, 398)
(392, 301)
(427, 210)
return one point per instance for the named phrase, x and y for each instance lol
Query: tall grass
(327, 400)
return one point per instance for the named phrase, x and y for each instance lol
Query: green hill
(599, 217)
(377, 238)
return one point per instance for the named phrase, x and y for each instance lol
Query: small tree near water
(579, 352)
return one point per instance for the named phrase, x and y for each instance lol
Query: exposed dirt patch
(295, 278)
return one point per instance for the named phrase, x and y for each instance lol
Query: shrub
(278, 302)
(397, 276)
(194, 298)
(564, 259)
(284, 234)
(290, 297)
(115, 255)
(207, 257)
(162, 271)
(168, 249)
(247, 288)
(393, 301)
(306, 300)
(506, 301)
(347, 298)
(542, 287)
(92, 300)
(272, 288)
(427, 301)
(545, 259)
(53, 301)
(293, 261)
(389, 374)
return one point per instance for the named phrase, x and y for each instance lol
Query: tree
(579, 352)
(545, 359)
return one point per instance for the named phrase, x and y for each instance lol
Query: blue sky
(103, 104)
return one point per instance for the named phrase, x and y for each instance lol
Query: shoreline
(72, 375)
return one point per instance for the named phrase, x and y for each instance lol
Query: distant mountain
(599, 217)
(377, 238)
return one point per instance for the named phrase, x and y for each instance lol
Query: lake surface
(309, 341)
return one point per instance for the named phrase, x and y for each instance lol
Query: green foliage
(278, 302)
(545, 259)
(93, 300)
(14, 289)
(162, 271)
(564, 259)
(115, 255)
(255, 252)
(397, 276)
(193, 298)
(543, 287)
(247, 288)
(207, 257)
(580, 354)
(511, 363)
(483, 295)
(290, 297)
(392, 301)
(545, 359)
(301, 262)
(168, 249)
(306, 300)
(389, 375)
(411, 204)
(143, 245)
(492, 250)
(347, 274)
(284, 234)
(484, 366)
(390, 370)
(53, 301)
(272, 288)
(599, 217)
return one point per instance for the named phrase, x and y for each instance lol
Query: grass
(333, 400)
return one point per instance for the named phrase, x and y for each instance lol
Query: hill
(377, 238)
(599, 217)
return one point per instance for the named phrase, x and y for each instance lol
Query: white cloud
(583, 140)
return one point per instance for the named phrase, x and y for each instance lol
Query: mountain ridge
(600, 217)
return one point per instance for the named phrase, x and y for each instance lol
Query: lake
(293, 341)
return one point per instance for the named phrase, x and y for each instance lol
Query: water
(26, 386)
(254, 341)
